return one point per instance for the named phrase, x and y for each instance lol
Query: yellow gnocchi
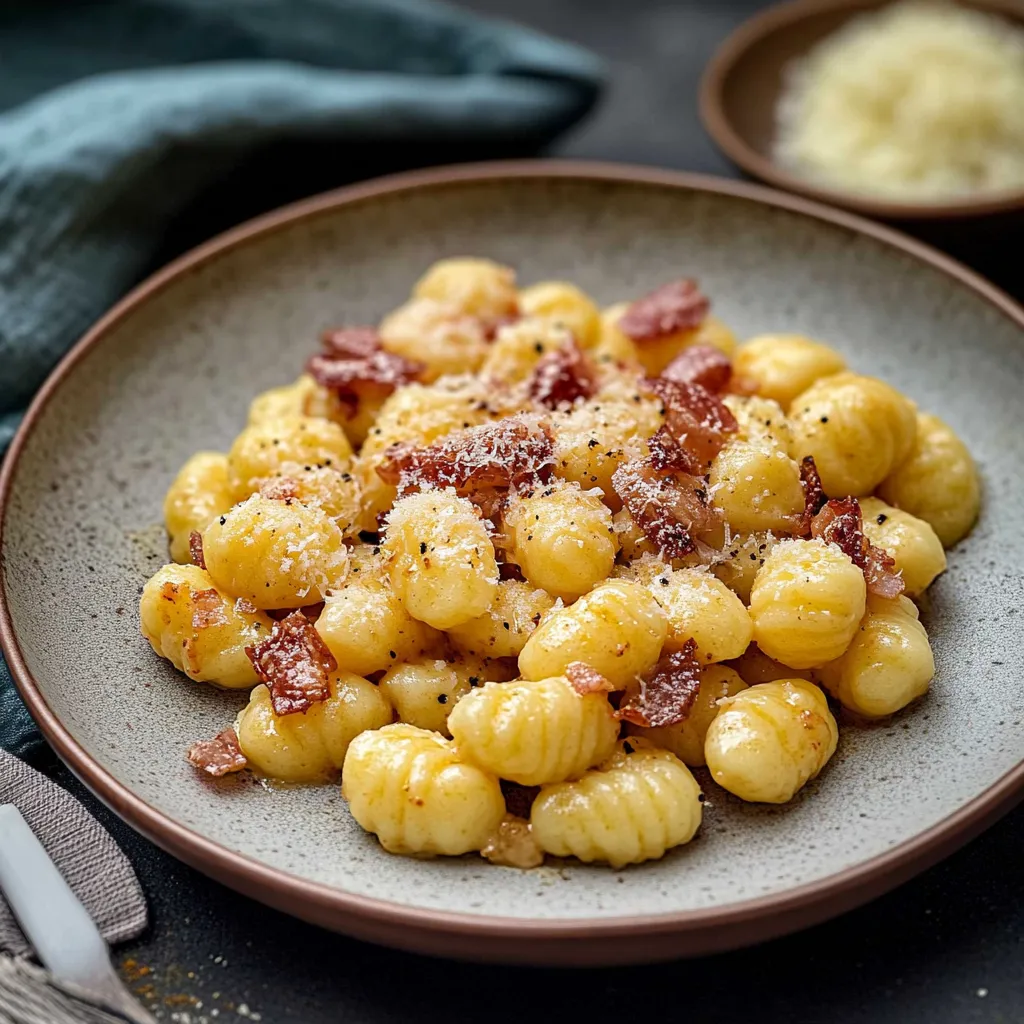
(311, 745)
(768, 741)
(423, 693)
(911, 543)
(477, 287)
(566, 305)
(618, 629)
(503, 629)
(533, 732)
(782, 366)
(200, 491)
(756, 486)
(639, 804)
(409, 787)
(199, 630)
(441, 336)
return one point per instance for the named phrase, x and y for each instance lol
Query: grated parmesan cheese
(918, 102)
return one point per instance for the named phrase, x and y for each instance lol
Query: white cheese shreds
(916, 102)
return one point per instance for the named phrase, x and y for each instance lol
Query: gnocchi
(512, 565)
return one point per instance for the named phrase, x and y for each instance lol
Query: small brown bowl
(740, 91)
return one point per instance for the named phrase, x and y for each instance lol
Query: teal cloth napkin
(132, 129)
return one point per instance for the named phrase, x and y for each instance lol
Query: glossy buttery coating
(638, 804)
(534, 732)
(409, 787)
(618, 629)
(771, 739)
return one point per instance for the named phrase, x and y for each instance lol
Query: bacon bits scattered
(814, 493)
(676, 306)
(354, 362)
(218, 756)
(207, 609)
(294, 663)
(519, 799)
(665, 696)
(585, 679)
(697, 419)
(840, 522)
(700, 364)
(514, 452)
(245, 607)
(668, 454)
(561, 377)
(195, 549)
(513, 845)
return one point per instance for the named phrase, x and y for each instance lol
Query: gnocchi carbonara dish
(511, 567)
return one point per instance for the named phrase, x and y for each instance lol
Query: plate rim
(567, 941)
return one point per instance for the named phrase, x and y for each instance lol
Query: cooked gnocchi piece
(410, 788)
(200, 491)
(618, 629)
(198, 629)
(888, 664)
(768, 741)
(510, 563)
(640, 803)
(311, 745)
(533, 732)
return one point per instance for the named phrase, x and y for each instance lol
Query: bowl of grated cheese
(908, 111)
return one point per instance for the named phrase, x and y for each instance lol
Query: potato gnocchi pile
(513, 566)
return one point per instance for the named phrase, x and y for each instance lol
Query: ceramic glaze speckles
(176, 371)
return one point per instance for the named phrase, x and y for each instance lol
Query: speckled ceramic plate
(172, 369)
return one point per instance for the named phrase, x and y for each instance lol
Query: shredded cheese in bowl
(917, 101)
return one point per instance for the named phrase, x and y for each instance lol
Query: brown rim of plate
(559, 941)
(752, 33)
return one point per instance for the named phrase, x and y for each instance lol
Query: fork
(54, 921)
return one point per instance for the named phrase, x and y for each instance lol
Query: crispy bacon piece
(381, 371)
(207, 609)
(561, 377)
(294, 663)
(666, 694)
(668, 454)
(700, 364)
(195, 549)
(519, 799)
(840, 522)
(668, 507)
(585, 679)
(814, 493)
(351, 342)
(676, 306)
(700, 421)
(514, 452)
(218, 756)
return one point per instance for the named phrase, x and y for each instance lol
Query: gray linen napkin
(93, 864)
(28, 996)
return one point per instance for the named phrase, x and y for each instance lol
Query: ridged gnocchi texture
(686, 740)
(442, 337)
(205, 637)
(937, 481)
(756, 486)
(741, 559)
(697, 606)
(409, 787)
(478, 287)
(782, 366)
(618, 629)
(858, 429)
(440, 558)
(199, 492)
(564, 304)
(502, 630)
(911, 543)
(534, 732)
(367, 628)
(806, 603)
(423, 693)
(261, 450)
(769, 740)
(639, 804)
(519, 346)
(311, 745)
(888, 664)
(276, 554)
(562, 538)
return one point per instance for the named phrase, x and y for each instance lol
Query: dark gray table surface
(944, 948)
